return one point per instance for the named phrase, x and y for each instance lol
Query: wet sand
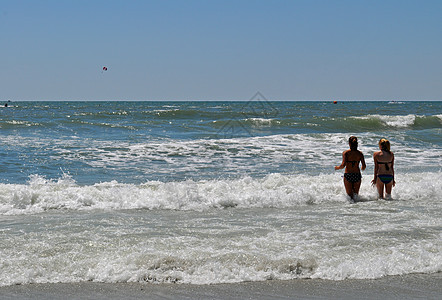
(419, 286)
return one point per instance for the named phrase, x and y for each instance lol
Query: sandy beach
(419, 286)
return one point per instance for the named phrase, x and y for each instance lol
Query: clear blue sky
(220, 50)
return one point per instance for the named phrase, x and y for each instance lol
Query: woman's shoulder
(384, 156)
(392, 155)
(377, 155)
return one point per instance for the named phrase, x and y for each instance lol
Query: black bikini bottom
(353, 177)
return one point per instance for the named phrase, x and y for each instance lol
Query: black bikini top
(386, 164)
(354, 162)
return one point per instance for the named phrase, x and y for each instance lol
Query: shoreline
(427, 286)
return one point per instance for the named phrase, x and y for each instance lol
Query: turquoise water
(211, 192)
(132, 142)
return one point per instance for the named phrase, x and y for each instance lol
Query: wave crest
(402, 121)
(272, 191)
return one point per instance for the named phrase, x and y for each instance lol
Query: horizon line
(224, 100)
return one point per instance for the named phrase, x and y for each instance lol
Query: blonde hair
(384, 144)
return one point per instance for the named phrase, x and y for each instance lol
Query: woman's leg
(348, 188)
(356, 187)
(388, 188)
(380, 186)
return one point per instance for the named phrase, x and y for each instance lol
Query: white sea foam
(197, 209)
(262, 121)
(401, 121)
(18, 123)
(398, 121)
(241, 155)
(278, 227)
(211, 158)
(275, 190)
(169, 109)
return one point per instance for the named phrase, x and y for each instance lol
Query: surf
(272, 191)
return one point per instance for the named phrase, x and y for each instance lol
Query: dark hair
(385, 145)
(353, 142)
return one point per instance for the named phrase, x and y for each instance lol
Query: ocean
(207, 192)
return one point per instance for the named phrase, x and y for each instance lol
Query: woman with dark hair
(384, 169)
(350, 161)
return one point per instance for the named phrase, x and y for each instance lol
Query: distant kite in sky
(104, 69)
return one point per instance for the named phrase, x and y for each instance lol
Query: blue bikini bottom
(385, 178)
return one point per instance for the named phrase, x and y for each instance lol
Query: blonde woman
(350, 161)
(384, 169)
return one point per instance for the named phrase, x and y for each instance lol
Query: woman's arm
(363, 162)
(376, 168)
(392, 167)
(343, 162)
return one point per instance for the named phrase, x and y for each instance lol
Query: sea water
(214, 192)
